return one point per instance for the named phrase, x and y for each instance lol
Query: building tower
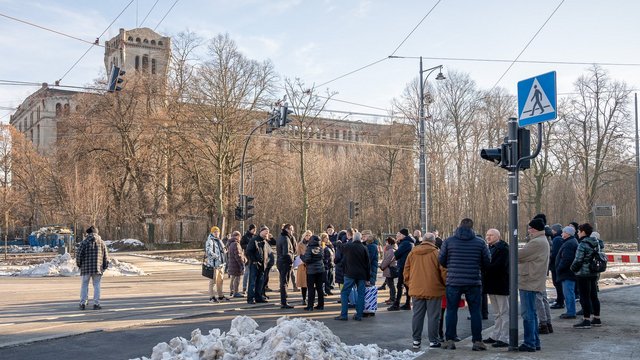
(141, 50)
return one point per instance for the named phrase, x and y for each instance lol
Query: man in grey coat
(92, 258)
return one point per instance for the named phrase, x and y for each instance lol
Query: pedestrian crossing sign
(537, 99)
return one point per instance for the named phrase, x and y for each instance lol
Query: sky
(319, 41)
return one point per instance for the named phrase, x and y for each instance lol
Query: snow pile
(15, 249)
(65, 265)
(290, 339)
(190, 261)
(125, 245)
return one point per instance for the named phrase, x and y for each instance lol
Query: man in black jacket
(357, 270)
(243, 244)
(496, 283)
(258, 254)
(286, 250)
(564, 275)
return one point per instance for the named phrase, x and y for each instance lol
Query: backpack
(598, 262)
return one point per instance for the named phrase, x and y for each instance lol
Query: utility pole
(637, 176)
(512, 156)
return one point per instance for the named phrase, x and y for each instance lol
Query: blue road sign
(537, 99)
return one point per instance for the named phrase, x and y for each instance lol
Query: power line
(92, 45)
(416, 27)
(551, 62)
(48, 29)
(145, 18)
(526, 46)
(165, 15)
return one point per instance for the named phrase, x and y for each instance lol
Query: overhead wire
(48, 29)
(92, 45)
(415, 28)
(145, 18)
(165, 15)
(527, 45)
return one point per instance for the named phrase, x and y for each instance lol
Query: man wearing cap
(251, 232)
(464, 255)
(216, 258)
(564, 275)
(258, 254)
(405, 246)
(533, 263)
(286, 250)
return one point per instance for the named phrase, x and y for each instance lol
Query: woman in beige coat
(301, 276)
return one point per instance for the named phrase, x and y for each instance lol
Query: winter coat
(313, 257)
(236, 259)
(464, 255)
(339, 273)
(215, 251)
(328, 257)
(301, 275)
(389, 260)
(373, 260)
(586, 249)
(356, 263)
(495, 277)
(423, 274)
(333, 238)
(533, 264)
(404, 248)
(556, 244)
(258, 251)
(286, 248)
(566, 255)
(245, 240)
(92, 256)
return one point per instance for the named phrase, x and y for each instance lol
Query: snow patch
(190, 261)
(125, 245)
(297, 338)
(65, 265)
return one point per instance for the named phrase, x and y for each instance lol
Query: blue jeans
(473, 295)
(349, 283)
(256, 283)
(568, 288)
(530, 318)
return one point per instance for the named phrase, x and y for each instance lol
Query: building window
(58, 109)
(153, 42)
(38, 112)
(138, 40)
(145, 41)
(153, 66)
(38, 135)
(160, 43)
(31, 118)
(137, 66)
(145, 63)
(66, 109)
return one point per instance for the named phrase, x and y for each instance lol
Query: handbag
(393, 270)
(207, 271)
(598, 261)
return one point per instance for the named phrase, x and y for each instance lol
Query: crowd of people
(436, 277)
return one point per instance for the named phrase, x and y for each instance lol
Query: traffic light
(351, 209)
(248, 207)
(284, 115)
(524, 147)
(115, 78)
(499, 156)
(239, 213)
(356, 209)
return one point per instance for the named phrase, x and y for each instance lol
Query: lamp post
(424, 223)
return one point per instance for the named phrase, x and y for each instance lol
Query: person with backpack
(92, 258)
(586, 277)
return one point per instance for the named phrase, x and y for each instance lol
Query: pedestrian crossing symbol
(537, 99)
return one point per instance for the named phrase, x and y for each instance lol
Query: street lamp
(424, 223)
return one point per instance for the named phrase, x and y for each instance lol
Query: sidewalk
(618, 338)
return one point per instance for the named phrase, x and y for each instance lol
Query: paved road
(40, 314)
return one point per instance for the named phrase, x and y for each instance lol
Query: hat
(91, 229)
(542, 217)
(214, 229)
(537, 224)
(252, 227)
(263, 228)
(569, 230)
(404, 232)
(557, 228)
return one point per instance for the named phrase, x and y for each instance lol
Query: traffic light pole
(514, 177)
(244, 153)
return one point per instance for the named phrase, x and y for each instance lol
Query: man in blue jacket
(564, 275)
(406, 243)
(464, 255)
